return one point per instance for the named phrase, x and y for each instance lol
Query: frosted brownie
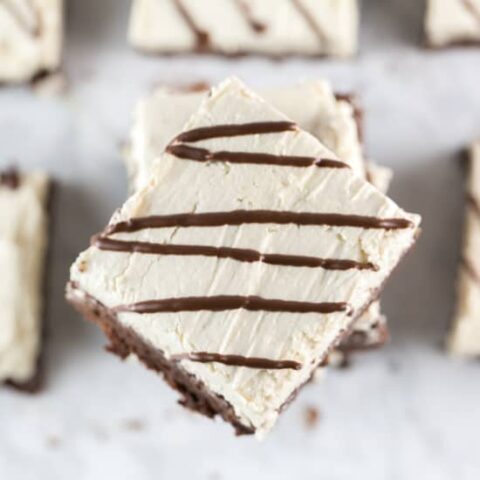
(334, 120)
(465, 336)
(244, 260)
(231, 27)
(23, 246)
(31, 37)
(450, 22)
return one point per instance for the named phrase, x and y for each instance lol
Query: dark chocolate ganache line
(238, 361)
(202, 36)
(223, 303)
(239, 254)
(234, 130)
(10, 179)
(240, 217)
(33, 30)
(186, 152)
(246, 11)
(310, 21)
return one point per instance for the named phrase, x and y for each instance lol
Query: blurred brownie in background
(24, 216)
(31, 38)
(273, 28)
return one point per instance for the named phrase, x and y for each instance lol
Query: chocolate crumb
(134, 425)
(312, 416)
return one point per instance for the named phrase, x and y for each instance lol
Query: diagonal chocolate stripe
(239, 254)
(310, 21)
(246, 11)
(235, 130)
(240, 217)
(238, 361)
(223, 303)
(185, 152)
(202, 36)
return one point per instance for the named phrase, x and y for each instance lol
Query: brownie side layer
(123, 342)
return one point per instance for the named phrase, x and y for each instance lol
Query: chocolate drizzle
(10, 179)
(32, 30)
(246, 11)
(186, 152)
(178, 148)
(240, 217)
(310, 21)
(238, 361)
(222, 303)
(239, 254)
(202, 36)
(219, 131)
(181, 149)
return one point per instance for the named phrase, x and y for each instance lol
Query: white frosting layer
(465, 337)
(180, 186)
(23, 242)
(158, 26)
(31, 34)
(312, 105)
(452, 21)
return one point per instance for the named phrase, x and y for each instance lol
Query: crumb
(53, 441)
(312, 416)
(133, 425)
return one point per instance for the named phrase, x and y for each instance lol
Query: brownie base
(196, 396)
(123, 341)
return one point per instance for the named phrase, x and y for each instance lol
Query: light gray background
(405, 412)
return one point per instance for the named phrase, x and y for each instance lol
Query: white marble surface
(405, 412)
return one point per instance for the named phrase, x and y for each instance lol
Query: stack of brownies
(256, 242)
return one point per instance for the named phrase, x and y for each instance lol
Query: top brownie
(246, 257)
(231, 27)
